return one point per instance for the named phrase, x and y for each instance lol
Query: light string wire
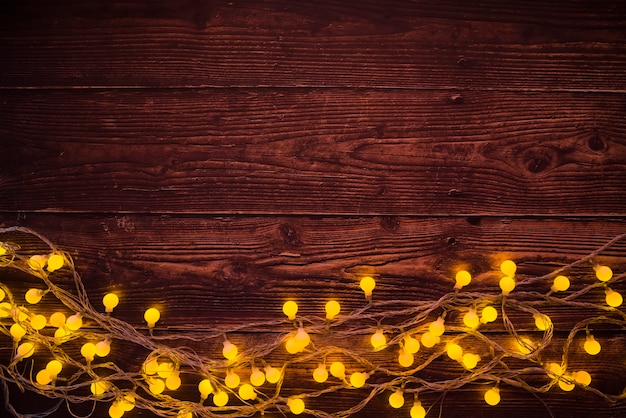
(399, 320)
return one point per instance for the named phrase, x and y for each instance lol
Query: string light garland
(242, 381)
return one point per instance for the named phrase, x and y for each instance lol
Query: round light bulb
(462, 278)
(37, 262)
(246, 392)
(591, 346)
(2, 294)
(296, 405)
(332, 309)
(38, 322)
(454, 351)
(5, 309)
(613, 298)
(17, 332)
(220, 398)
(492, 396)
(55, 262)
(507, 284)
(57, 319)
(257, 377)
(272, 374)
(43, 377)
(151, 367)
(555, 369)
(128, 402)
(320, 374)
(378, 340)
(74, 322)
(405, 358)
(525, 346)
(173, 381)
(165, 369)
(437, 328)
(54, 367)
(566, 384)
(582, 378)
(303, 338)
(230, 350)
(205, 388)
(103, 348)
(508, 267)
(116, 410)
(156, 386)
(33, 296)
(88, 350)
(542, 322)
(470, 360)
(560, 284)
(417, 410)
(411, 345)
(429, 340)
(470, 319)
(396, 399)
(25, 350)
(367, 284)
(110, 301)
(489, 314)
(338, 370)
(151, 316)
(99, 388)
(357, 379)
(232, 379)
(603, 273)
(290, 308)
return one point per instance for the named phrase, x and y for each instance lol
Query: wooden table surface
(221, 157)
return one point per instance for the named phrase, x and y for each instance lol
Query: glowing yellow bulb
(22, 313)
(2, 294)
(332, 309)
(110, 301)
(151, 316)
(492, 396)
(338, 370)
(429, 340)
(156, 386)
(555, 369)
(357, 379)
(116, 410)
(437, 328)
(272, 374)
(61, 333)
(37, 262)
(417, 410)
(246, 392)
(405, 358)
(303, 338)
(470, 360)
(57, 319)
(230, 350)
(525, 346)
(454, 351)
(603, 273)
(54, 367)
(591, 346)
(33, 296)
(566, 383)
(290, 308)
(292, 346)
(3, 251)
(220, 398)
(43, 377)
(128, 402)
(74, 322)
(396, 399)
(165, 369)
(507, 284)
(103, 348)
(508, 267)
(296, 405)
(257, 377)
(38, 322)
(5, 310)
(582, 378)
(613, 298)
(367, 284)
(25, 350)
(17, 332)
(462, 278)
(470, 319)
(151, 367)
(320, 375)
(378, 340)
(411, 345)
(173, 381)
(99, 388)
(232, 379)
(55, 262)
(205, 388)
(560, 284)
(88, 350)
(542, 322)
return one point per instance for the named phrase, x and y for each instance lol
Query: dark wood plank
(531, 45)
(197, 269)
(313, 151)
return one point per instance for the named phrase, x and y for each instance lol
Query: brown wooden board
(401, 44)
(313, 151)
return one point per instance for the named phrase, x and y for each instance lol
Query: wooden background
(219, 157)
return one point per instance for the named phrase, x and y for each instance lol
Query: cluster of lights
(238, 381)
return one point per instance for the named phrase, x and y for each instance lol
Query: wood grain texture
(531, 45)
(313, 151)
